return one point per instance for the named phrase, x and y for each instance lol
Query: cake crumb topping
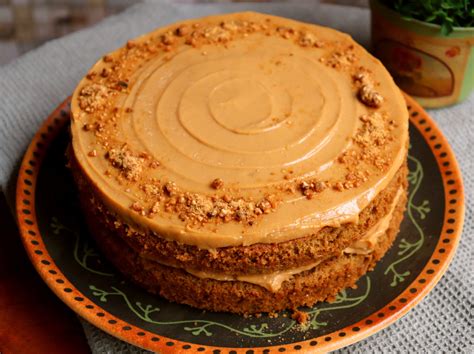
(300, 316)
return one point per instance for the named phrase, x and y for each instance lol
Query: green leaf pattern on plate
(83, 251)
(204, 327)
(408, 249)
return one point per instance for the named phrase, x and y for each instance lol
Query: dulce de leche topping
(238, 129)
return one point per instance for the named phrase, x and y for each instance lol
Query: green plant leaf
(446, 28)
(446, 13)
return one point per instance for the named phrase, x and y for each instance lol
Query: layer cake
(243, 163)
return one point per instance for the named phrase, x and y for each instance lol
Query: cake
(243, 163)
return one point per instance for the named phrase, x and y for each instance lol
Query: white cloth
(34, 84)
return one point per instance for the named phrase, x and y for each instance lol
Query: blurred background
(26, 24)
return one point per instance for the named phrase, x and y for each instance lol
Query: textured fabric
(33, 85)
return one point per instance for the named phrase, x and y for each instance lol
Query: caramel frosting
(238, 129)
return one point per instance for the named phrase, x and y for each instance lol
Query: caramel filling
(271, 281)
(274, 281)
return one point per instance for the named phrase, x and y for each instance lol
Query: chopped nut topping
(129, 165)
(200, 209)
(285, 32)
(93, 97)
(217, 33)
(154, 164)
(92, 153)
(230, 25)
(370, 141)
(136, 206)
(91, 75)
(105, 72)
(264, 205)
(168, 38)
(308, 39)
(290, 188)
(183, 30)
(154, 209)
(362, 78)
(87, 127)
(191, 41)
(217, 183)
(311, 187)
(99, 127)
(151, 189)
(370, 97)
(372, 131)
(354, 179)
(122, 84)
(342, 58)
(170, 188)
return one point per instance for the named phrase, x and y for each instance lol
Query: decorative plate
(65, 256)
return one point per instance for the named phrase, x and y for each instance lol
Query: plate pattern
(65, 256)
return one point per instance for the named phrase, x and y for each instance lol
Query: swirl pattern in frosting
(238, 129)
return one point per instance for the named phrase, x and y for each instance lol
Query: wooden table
(32, 318)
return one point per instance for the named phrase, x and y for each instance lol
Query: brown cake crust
(256, 258)
(305, 289)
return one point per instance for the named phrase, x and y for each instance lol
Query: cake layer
(274, 280)
(304, 289)
(231, 261)
(240, 130)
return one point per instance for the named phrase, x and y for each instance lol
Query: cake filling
(274, 281)
(271, 281)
